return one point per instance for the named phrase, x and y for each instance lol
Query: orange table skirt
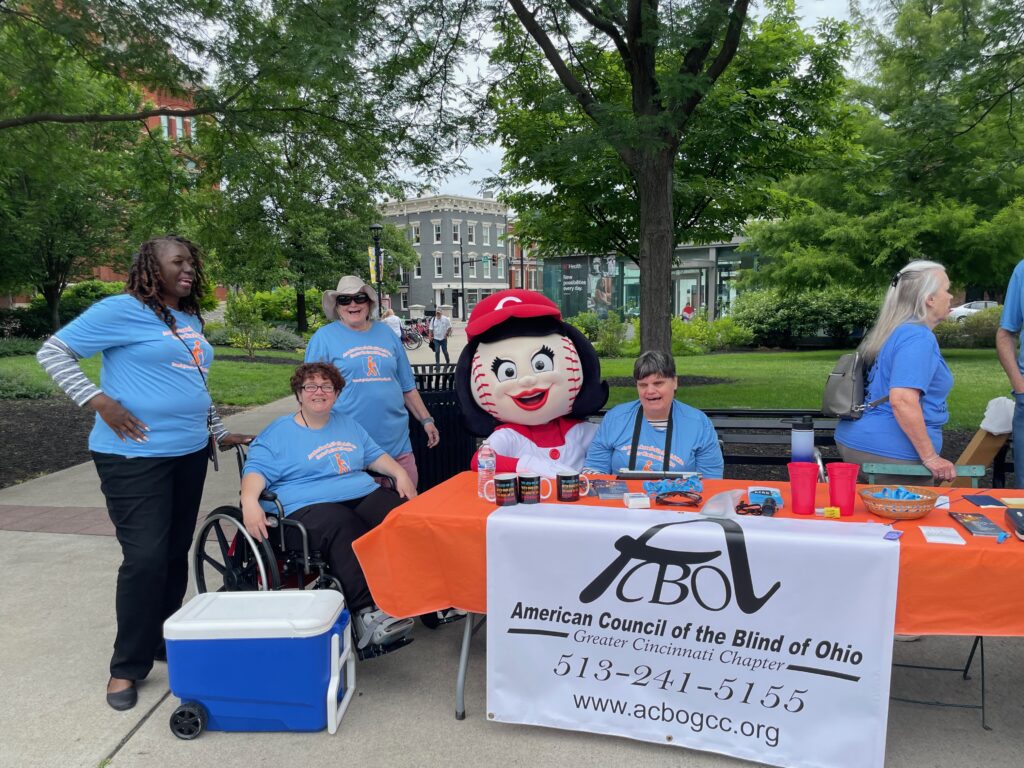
(430, 554)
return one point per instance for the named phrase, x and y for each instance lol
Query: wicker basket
(899, 509)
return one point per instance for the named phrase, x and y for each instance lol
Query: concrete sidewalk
(58, 560)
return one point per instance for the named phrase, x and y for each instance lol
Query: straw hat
(348, 286)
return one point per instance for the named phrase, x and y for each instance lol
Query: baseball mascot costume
(527, 381)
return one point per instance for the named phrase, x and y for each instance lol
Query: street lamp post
(378, 260)
(462, 282)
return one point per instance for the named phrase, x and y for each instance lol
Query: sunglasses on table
(359, 298)
(327, 389)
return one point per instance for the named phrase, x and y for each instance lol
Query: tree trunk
(52, 295)
(654, 184)
(300, 310)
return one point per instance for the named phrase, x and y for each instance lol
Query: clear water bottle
(486, 461)
(802, 438)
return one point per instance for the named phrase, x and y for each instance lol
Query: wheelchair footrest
(373, 651)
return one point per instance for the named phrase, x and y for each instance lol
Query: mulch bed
(44, 436)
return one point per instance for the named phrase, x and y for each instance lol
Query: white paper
(940, 534)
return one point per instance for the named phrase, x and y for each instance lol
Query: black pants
(153, 504)
(333, 526)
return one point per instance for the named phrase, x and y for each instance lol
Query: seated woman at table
(655, 433)
(904, 364)
(314, 460)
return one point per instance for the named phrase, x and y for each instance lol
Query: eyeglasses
(679, 499)
(327, 389)
(359, 298)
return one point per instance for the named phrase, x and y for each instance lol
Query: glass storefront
(704, 277)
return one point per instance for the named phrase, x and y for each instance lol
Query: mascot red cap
(528, 381)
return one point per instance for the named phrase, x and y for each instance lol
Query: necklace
(301, 416)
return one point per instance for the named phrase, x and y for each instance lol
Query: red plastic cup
(842, 486)
(803, 483)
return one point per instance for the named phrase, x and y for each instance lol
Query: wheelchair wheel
(188, 720)
(226, 558)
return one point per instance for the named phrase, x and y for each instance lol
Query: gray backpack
(844, 390)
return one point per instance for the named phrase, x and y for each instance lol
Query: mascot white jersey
(527, 381)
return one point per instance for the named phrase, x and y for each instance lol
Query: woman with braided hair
(155, 424)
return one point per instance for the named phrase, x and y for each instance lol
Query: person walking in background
(440, 328)
(381, 388)
(904, 365)
(1007, 339)
(151, 440)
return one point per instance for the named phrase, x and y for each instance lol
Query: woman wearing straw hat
(373, 361)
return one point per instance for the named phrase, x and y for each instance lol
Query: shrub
(952, 335)
(245, 324)
(217, 334)
(980, 328)
(17, 345)
(776, 320)
(726, 333)
(587, 323)
(80, 296)
(279, 338)
(610, 335)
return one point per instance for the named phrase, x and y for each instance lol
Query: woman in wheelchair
(314, 460)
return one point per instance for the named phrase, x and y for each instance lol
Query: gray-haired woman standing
(904, 363)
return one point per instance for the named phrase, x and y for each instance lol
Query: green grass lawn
(796, 380)
(757, 380)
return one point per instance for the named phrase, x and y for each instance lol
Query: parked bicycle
(411, 338)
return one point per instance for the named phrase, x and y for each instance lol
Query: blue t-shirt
(312, 466)
(695, 445)
(148, 371)
(910, 358)
(377, 374)
(1013, 308)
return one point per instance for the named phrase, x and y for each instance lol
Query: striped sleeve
(216, 425)
(61, 363)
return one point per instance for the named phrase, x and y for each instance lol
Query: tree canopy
(935, 169)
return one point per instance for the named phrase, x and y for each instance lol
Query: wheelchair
(226, 558)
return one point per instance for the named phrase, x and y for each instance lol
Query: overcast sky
(485, 162)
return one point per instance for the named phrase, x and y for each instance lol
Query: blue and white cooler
(260, 661)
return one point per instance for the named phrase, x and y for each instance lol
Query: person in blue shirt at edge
(902, 357)
(314, 460)
(655, 433)
(1007, 336)
(151, 440)
(374, 363)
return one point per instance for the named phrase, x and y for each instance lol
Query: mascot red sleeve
(527, 381)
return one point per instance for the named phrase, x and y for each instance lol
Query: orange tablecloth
(430, 553)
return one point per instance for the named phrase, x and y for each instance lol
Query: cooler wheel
(188, 720)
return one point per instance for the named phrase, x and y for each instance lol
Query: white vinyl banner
(767, 639)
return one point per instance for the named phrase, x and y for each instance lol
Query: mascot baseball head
(523, 365)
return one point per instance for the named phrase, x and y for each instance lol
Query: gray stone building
(463, 245)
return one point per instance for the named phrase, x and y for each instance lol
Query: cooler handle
(336, 709)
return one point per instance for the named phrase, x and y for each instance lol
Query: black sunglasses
(359, 298)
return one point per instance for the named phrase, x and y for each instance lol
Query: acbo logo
(711, 587)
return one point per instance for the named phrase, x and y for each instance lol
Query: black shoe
(122, 700)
